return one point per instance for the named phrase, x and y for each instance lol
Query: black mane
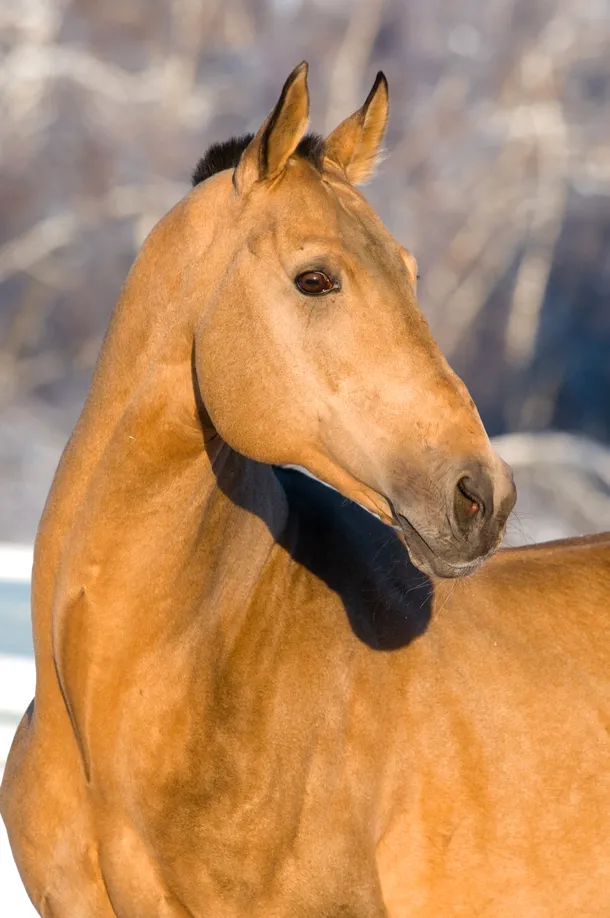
(225, 155)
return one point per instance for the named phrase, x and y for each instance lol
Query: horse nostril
(473, 498)
(467, 503)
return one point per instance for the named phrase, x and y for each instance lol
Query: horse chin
(428, 561)
(438, 569)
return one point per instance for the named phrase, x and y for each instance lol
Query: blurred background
(497, 178)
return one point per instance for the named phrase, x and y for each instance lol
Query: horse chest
(249, 787)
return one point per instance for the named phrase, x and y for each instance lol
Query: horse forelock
(227, 153)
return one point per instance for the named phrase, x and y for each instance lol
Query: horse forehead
(323, 215)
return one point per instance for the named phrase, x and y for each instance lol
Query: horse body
(249, 701)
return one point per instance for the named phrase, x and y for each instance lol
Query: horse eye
(314, 282)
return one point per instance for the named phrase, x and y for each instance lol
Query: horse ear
(355, 145)
(277, 139)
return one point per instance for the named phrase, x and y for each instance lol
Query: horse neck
(139, 471)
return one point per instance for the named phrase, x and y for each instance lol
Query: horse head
(310, 347)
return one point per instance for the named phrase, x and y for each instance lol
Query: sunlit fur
(249, 702)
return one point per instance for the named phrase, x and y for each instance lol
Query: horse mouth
(425, 558)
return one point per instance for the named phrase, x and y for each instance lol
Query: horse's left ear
(277, 139)
(354, 146)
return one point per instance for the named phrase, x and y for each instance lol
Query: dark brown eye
(314, 282)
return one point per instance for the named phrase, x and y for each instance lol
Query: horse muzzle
(453, 540)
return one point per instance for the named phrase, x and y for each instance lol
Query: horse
(267, 693)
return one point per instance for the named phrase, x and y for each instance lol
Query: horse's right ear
(267, 154)
(354, 146)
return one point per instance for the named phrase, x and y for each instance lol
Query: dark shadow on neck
(387, 600)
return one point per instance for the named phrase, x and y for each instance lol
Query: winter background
(497, 178)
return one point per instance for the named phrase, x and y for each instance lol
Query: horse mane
(226, 155)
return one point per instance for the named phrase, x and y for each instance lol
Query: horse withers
(253, 696)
